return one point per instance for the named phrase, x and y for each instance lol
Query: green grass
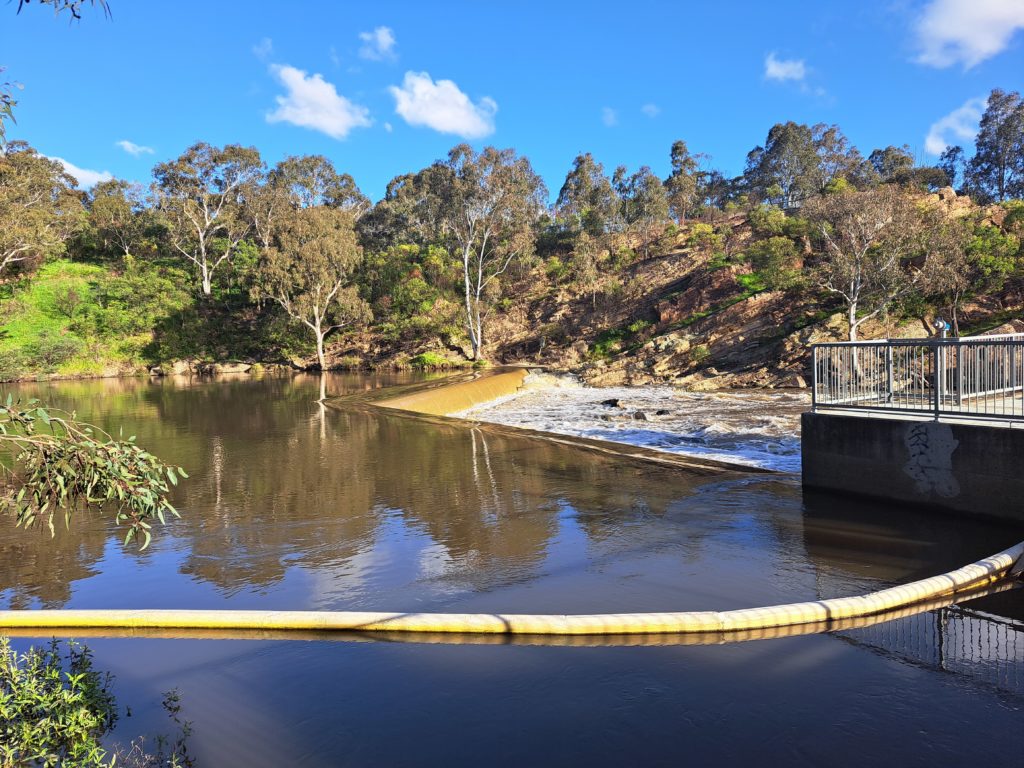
(76, 319)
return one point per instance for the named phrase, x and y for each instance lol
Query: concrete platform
(966, 465)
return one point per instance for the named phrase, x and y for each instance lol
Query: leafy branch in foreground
(62, 463)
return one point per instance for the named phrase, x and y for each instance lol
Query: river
(293, 505)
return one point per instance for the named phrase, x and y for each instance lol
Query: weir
(925, 421)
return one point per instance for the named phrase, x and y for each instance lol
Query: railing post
(814, 377)
(936, 380)
(888, 373)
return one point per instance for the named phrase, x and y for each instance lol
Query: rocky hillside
(685, 317)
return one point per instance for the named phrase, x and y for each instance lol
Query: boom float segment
(981, 573)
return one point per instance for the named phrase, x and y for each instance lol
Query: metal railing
(979, 376)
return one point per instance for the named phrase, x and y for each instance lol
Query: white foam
(754, 428)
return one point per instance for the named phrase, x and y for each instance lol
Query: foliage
(309, 269)
(482, 208)
(867, 238)
(996, 172)
(699, 354)
(643, 203)
(775, 263)
(202, 195)
(62, 463)
(38, 207)
(768, 220)
(586, 201)
(683, 183)
(429, 360)
(54, 707)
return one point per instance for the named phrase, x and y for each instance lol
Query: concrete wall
(460, 393)
(973, 468)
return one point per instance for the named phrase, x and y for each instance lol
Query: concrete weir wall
(455, 396)
(966, 467)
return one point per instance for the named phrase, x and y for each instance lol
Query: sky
(383, 88)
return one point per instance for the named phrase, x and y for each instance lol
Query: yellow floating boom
(983, 572)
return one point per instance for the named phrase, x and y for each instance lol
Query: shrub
(12, 364)
(54, 705)
(768, 220)
(55, 708)
(774, 261)
(426, 360)
(49, 350)
(699, 354)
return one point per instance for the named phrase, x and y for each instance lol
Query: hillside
(699, 312)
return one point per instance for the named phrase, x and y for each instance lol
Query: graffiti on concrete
(930, 466)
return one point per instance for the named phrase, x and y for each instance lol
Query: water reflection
(292, 505)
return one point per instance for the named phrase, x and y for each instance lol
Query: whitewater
(760, 429)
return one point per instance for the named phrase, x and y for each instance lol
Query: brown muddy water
(294, 506)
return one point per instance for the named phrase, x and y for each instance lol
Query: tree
(483, 208)
(584, 265)
(74, 7)
(784, 170)
(587, 198)
(308, 271)
(996, 171)
(311, 180)
(868, 238)
(39, 208)
(643, 201)
(892, 163)
(203, 195)
(953, 164)
(837, 158)
(681, 185)
(119, 215)
(7, 105)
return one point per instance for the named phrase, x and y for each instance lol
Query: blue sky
(387, 87)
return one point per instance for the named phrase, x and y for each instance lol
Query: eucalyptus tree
(891, 163)
(39, 206)
(644, 203)
(836, 158)
(783, 170)
(997, 168)
(120, 216)
(484, 209)
(798, 161)
(682, 183)
(308, 271)
(203, 196)
(587, 198)
(868, 240)
(953, 163)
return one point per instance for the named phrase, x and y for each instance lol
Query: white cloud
(651, 110)
(609, 116)
(378, 45)
(133, 149)
(388, 127)
(263, 48)
(335, 58)
(784, 69)
(958, 126)
(84, 176)
(442, 106)
(966, 31)
(312, 102)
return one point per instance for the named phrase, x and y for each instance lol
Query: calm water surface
(294, 506)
